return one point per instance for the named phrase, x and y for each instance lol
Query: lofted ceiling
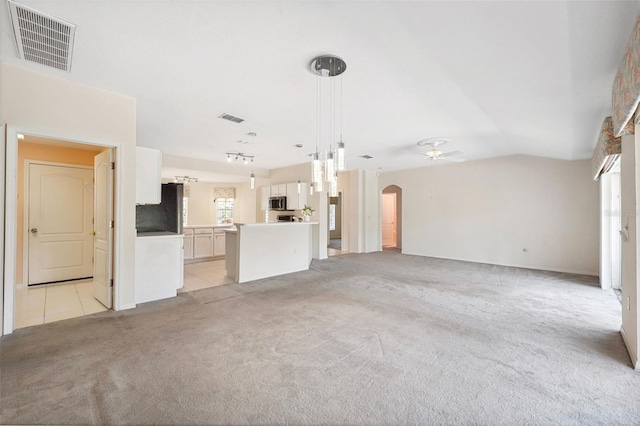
(497, 77)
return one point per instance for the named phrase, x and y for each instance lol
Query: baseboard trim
(204, 259)
(127, 306)
(537, 268)
(632, 353)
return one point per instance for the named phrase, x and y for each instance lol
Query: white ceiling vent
(230, 117)
(41, 38)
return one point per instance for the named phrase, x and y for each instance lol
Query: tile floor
(335, 252)
(55, 302)
(203, 275)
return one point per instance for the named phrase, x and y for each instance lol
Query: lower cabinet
(188, 244)
(202, 242)
(219, 238)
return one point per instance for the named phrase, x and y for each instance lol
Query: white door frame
(25, 213)
(11, 212)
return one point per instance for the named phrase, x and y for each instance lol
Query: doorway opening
(334, 246)
(63, 256)
(392, 218)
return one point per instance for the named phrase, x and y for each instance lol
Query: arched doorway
(392, 217)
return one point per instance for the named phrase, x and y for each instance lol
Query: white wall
(202, 209)
(492, 210)
(48, 106)
(629, 194)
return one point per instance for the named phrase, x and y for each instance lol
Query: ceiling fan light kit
(436, 154)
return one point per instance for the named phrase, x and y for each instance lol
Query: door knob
(34, 230)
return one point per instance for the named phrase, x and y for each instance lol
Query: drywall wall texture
(47, 153)
(629, 253)
(53, 107)
(518, 211)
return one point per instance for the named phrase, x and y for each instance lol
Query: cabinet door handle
(34, 230)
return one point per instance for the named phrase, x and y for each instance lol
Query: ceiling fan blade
(450, 154)
(452, 159)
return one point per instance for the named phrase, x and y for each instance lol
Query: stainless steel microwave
(277, 203)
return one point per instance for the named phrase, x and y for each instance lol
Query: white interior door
(389, 220)
(59, 235)
(103, 228)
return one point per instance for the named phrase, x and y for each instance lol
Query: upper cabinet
(148, 176)
(279, 190)
(296, 201)
(265, 193)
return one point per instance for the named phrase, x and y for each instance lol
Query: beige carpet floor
(381, 338)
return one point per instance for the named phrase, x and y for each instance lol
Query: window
(185, 210)
(224, 210)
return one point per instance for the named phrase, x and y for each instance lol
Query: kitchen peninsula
(263, 250)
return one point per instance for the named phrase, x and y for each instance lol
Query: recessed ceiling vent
(366, 157)
(230, 117)
(41, 38)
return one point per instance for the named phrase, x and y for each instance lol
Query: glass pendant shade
(318, 186)
(340, 156)
(316, 168)
(252, 181)
(311, 185)
(329, 168)
(299, 186)
(333, 188)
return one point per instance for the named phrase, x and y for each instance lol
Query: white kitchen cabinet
(265, 193)
(188, 243)
(202, 242)
(159, 269)
(279, 190)
(296, 201)
(148, 176)
(219, 242)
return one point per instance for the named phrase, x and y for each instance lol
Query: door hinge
(111, 282)
(110, 224)
(113, 165)
(93, 260)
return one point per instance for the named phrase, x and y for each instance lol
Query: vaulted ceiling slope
(498, 78)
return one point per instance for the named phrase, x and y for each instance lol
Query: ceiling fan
(434, 153)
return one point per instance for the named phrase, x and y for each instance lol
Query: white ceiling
(499, 78)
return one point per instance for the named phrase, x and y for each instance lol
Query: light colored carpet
(381, 338)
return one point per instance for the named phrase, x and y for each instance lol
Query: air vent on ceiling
(230, 117)
(42, 38)
(366, 157)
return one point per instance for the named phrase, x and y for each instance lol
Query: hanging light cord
(341, 116)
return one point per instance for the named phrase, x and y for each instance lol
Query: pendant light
(299, 146)
(327, 66)
(252, 178)
(340, 147)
